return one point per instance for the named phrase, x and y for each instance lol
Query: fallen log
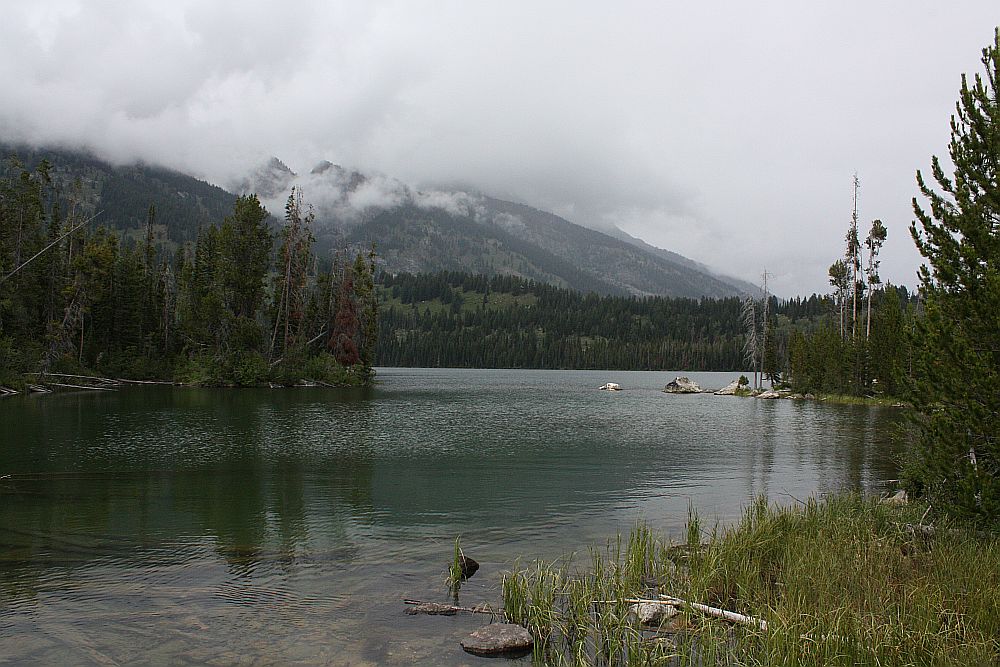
(123, 381)
(79, 386)
(110, 381)
(668, 600)
(437, 609)
(731, 616)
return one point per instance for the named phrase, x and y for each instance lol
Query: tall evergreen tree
(957, 456)
(874, 241)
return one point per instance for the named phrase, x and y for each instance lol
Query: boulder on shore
(898, 498)
(650, 613)
(770, 393)
(499, 639)
(682, 385)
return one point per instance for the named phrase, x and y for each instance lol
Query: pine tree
(874, 241)
(957, 455)
(295, 257)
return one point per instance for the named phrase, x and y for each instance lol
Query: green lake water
(163, 526)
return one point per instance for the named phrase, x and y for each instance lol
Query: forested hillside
(123, 194)
(465, 320)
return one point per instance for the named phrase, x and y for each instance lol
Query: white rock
(682, 385)
(649, 613)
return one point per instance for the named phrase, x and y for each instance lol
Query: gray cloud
(726, 132)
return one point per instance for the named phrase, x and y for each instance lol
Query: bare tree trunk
(854, 260)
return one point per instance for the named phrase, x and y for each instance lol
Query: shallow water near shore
(162, 525)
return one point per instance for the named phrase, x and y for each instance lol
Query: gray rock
(810, 397)
(770, 393)
(499, 639)
(649, 613)
(682, 385)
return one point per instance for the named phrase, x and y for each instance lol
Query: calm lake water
(197, 526)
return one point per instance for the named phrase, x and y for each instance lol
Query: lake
(159, 525)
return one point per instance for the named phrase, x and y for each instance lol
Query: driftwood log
(437, 609)
(724, 614)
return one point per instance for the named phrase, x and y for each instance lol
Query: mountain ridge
(415, 230)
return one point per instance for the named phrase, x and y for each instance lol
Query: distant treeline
(463, 320)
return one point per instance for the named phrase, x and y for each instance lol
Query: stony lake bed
(158, 525)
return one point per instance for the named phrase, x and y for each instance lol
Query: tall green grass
(839, 582)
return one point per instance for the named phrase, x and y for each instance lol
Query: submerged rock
(433, 609)
(682, 385)
(499, 639)
(610, 386)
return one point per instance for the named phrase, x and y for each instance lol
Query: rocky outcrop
(682, 385)
(499, 639)
(734, 388)
(770, 393)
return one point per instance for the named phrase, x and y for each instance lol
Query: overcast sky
(726, 131)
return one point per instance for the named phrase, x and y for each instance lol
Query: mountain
(122, 194)
(743, 285)
(506, 237)
(415, 230)
(421, 231)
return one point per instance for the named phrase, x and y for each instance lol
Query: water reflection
(217, 514)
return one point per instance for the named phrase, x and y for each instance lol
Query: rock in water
(682, 385)
(469, 566)
(610, 386)
(729, 389)
(499, 639)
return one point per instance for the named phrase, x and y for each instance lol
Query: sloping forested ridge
(123, 193)
(238, 306)
(464, 320)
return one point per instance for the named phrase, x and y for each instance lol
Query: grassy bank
(841, 581)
